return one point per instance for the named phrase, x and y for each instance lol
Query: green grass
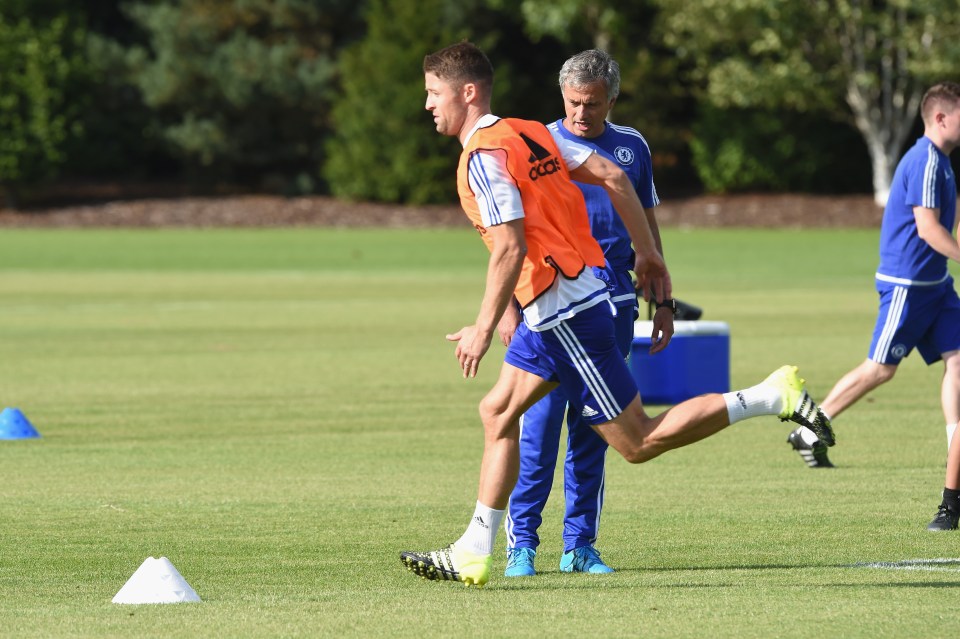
(278, 413)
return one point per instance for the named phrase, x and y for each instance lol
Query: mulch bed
(751, 210)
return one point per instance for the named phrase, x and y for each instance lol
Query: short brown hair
(943, 95)
(460, 64)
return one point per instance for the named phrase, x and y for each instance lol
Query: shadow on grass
(594, 581)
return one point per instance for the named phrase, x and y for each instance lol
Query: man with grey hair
(589, 84)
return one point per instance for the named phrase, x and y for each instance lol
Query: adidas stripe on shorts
(580, 354)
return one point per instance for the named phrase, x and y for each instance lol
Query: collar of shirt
(484, 121)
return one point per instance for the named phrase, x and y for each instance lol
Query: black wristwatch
(668, 303)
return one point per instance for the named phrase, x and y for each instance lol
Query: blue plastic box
(696, 361)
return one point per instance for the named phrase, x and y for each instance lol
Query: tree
(243, 87)
(384, 147)
(775, 150)
(120, 137)
(571, 19)
(40, 57)
(870, 60)
(654, 97)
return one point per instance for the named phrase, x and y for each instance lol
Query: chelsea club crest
(623, 155)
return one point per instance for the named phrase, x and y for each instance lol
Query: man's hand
(662, 330)
(471, 347)
(653, 277)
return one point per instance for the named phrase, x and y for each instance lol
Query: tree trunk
(883, 165)
(881, 91)
(884, 124)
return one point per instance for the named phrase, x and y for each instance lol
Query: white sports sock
(482, 531)
(951, 429)
(762, 399)
(808, 436)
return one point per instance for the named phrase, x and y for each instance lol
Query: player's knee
(638, 455)
(638, 445)
(883, 374)
(488, 410)
(492, 413)
(640, 451)
(951, 363)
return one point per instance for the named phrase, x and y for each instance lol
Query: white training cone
(156, 581)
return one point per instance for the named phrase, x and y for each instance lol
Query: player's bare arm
(508, 323)
(655, 231)
(662, 331)
(503, 271)
(663, 327)
(933, 233)
(652, 274)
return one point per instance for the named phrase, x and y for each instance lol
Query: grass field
(278, 413)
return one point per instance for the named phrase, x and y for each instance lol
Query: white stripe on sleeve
(498, 197)
(573, 153)
(930, 179)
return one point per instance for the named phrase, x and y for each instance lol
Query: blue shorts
(580, 354)
(925, 317)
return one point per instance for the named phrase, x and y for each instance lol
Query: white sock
(762, 399)
(951, 429)
(482, 531)
(808, 436)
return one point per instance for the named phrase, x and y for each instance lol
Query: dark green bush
(760, 150)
